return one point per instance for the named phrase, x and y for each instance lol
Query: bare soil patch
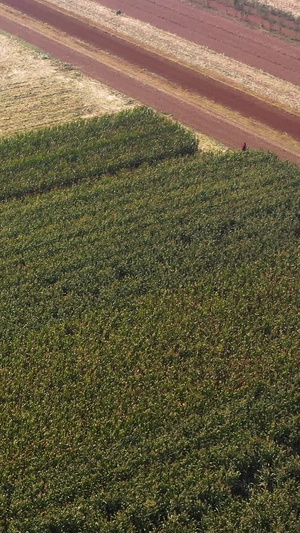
(221, 125)
(252, 80)
(39, 91)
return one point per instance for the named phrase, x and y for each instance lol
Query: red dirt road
(230, 37)
(184, 111)
(171, 71)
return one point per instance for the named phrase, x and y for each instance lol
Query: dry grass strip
(38, 91)
(259, 83)
(288, 6)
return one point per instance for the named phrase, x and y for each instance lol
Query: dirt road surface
(230, 37)
(169, 87)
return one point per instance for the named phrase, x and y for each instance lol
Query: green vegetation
(34, 163)
(149, 335)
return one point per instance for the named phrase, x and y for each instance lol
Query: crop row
(159, 227)
(150, 350)
(67, 154)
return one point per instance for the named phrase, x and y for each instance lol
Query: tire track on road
(233, 38)
(171, 71)
(150, 90)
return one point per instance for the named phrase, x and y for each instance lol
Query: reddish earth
(186, 112)
(171, 71)
(282, 23)
(230, 37)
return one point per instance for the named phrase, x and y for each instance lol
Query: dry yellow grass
(37, 91)
(207, 144)
(289, 6)
(255, 81)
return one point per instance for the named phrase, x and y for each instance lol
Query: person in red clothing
(244, 147)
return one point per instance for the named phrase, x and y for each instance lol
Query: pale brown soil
(201, 58)
(38, 91)
(188, 107)
(288, 6)
(232, 38)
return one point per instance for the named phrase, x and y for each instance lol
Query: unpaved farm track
(174, 74)
(232, 38)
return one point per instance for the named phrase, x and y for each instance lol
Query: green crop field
(150, 306)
